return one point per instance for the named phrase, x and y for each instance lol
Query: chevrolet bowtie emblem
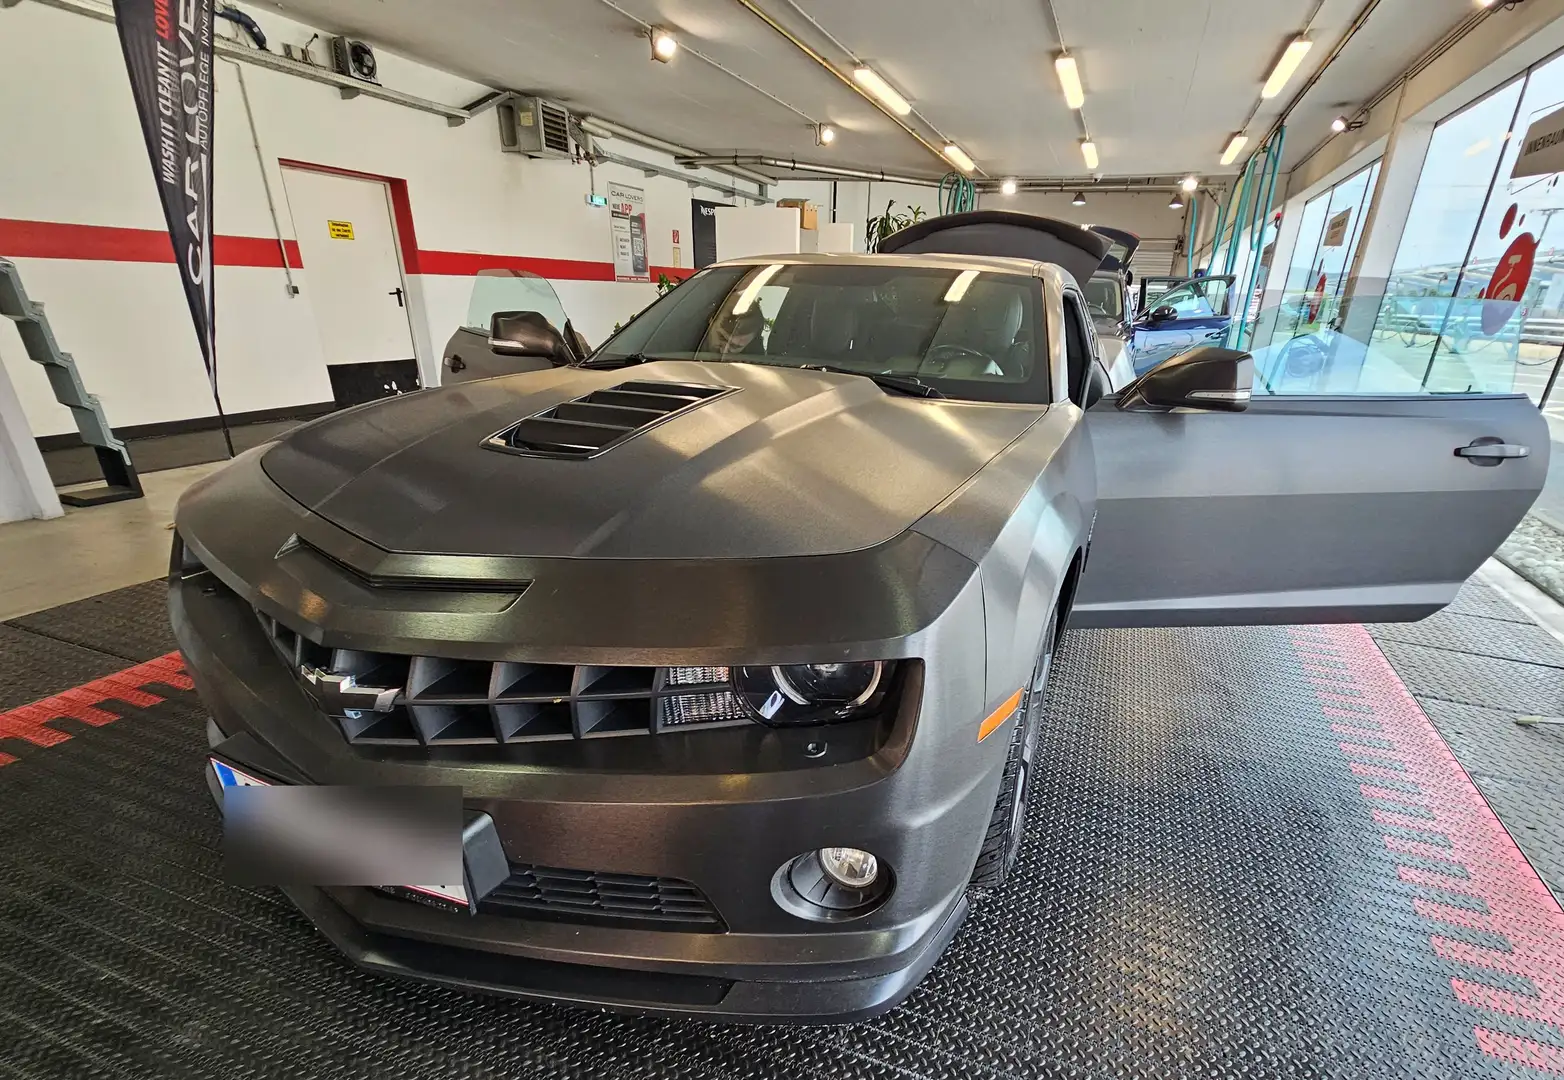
(339, 694)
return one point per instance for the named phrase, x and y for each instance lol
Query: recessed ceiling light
(825, 135)
(1007, 188)
(1089, 152)
(958, 157)
(1079, 200)
(664, 44)
(1234, 148)
(1292, 56)
(871, 81)
(1070, 81)
(1190, 184)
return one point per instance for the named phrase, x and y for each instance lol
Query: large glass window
(1322, 258)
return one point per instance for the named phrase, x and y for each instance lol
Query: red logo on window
(1510, 278)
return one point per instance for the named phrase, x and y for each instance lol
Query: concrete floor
(92, 549)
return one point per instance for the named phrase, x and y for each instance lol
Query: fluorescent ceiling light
(1191, 184)
(959, 287)
(1070, 81)
(1234, 148)
(1079, 200)
(1089, 152)
(1296, 50)
(870, 80)
(1007, 188)
(958, 157)
(752, 290)
(664, 44)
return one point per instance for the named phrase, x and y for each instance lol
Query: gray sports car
(733, 637)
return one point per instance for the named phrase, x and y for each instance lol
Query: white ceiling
(1167, 83)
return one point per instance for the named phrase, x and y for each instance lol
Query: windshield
(511, 290)
(967, 333)
(1105, 297)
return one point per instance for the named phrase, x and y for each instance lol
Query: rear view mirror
(528, 333)
(1205, 378)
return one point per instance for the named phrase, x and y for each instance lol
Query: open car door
(1302, 509)
(1179, 314)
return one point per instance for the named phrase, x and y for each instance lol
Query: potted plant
(889, 222)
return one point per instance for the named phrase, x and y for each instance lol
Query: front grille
(587, 426)
(393, 699)
(542, 892)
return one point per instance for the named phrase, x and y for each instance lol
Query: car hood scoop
(593, 423)
(742, 461)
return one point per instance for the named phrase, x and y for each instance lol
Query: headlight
(791, 694)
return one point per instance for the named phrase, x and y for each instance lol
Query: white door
(352, 270)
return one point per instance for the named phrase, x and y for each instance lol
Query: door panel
(352, 268)
(1300, 509)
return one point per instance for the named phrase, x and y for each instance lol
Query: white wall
(1147, 215)
(81, 160)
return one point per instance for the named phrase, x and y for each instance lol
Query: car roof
(992, 263)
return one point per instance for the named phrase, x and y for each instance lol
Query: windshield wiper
(902, 384)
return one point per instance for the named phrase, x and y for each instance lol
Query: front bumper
(917, 805)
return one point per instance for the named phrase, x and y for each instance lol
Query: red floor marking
(1519, 908)
(31, 722)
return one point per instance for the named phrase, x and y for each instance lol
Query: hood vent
(586, 426)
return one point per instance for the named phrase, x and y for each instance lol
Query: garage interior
(1279, 851)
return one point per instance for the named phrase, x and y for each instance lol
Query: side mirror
(1162, 314)
(527, 333)
(1209, 378)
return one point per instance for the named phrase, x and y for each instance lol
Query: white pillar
(1386, 221)
(25, 488)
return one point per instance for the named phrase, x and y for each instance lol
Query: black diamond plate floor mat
(1250, 854)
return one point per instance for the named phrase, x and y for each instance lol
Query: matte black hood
(792, 463)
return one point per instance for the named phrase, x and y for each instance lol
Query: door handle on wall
(1489, 451)
(396, 292)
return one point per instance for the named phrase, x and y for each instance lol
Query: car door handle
(1489, 451)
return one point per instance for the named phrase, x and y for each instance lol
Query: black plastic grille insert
(393, 699)
(542, 892)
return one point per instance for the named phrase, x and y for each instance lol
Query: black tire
(1002, 840)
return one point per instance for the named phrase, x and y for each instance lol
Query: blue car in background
(1176, 314)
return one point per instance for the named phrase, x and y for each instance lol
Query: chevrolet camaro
(733, 637)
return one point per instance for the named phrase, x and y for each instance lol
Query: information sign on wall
(627, 219)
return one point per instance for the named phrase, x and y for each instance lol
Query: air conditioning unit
(535, 127)
(355, 59)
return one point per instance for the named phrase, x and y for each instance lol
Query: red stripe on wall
(103, 243)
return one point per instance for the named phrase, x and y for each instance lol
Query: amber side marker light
(1000, 715)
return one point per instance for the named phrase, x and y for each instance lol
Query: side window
(1077, 344)
(1196, 299)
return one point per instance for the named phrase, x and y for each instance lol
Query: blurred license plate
(443, 896)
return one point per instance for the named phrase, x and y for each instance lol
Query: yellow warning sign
(340, 230)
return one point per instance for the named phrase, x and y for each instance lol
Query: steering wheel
(942, 355)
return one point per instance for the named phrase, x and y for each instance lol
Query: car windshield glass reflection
(968, 333)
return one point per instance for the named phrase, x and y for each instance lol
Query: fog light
(849, 867)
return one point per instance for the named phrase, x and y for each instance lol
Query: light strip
(1296, 50)
(1070, 81)
(1234, 148)
(958, 157)
(871, 81)
(1089, 152)
(752, 290)
(959, 287)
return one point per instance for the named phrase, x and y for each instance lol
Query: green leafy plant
(889, 222)
(665, 284)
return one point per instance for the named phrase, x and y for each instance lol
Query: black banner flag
(168, 52)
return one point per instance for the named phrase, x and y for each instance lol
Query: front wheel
(1002, 840)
